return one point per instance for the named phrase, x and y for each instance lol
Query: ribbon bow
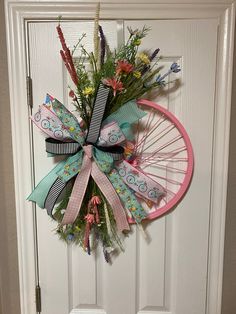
(93, 155)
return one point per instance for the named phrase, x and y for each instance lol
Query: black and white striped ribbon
(53, 194)
(61, 148)
(116, 152)
(97, 114)
(69, 148)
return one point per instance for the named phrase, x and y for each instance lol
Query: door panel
(166, 274)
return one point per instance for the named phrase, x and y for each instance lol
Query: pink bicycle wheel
(164, 152)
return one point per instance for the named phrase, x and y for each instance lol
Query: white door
(170, 273)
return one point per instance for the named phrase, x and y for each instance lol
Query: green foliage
(135, 83)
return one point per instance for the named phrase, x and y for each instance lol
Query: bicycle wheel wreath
(125, 160)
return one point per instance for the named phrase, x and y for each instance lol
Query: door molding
(18, 14)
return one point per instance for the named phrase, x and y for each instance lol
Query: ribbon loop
(56, 147)
(97, 114)
(47, 121)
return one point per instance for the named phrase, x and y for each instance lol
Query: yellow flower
(88, 91)
(137, 74)
(137, 42)
(144, 58)
(71, 128)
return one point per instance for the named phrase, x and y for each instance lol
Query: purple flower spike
(154, 54)
(103, 44)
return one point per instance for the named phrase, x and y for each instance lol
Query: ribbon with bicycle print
(138, 181)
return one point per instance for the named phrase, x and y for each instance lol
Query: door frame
(18, 14)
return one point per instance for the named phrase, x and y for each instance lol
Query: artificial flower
(89, 218)
(131, 31)
(72, 94)
(137, 42)
(154, 54)
(95, 200)
(144, 58)
(175, 68)
(88, 91)
(123, 66)
(116, 85)
(70, 237)
(137, 74)
(128, 150)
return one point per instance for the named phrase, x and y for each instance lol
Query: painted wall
(9, 283)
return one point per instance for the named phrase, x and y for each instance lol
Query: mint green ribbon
(40, 192)
(127, 196)
(69, 121)
(127, 115)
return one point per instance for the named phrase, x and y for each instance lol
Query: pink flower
(114, 84)
(89, 218)
(71, 93)
(124, 66)
(95, 200)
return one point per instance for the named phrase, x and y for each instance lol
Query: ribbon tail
(109, 192)
(41, 191)
(53, 194)
(127, 197)
(78, 192)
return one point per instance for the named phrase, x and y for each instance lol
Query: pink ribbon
(89, 167)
